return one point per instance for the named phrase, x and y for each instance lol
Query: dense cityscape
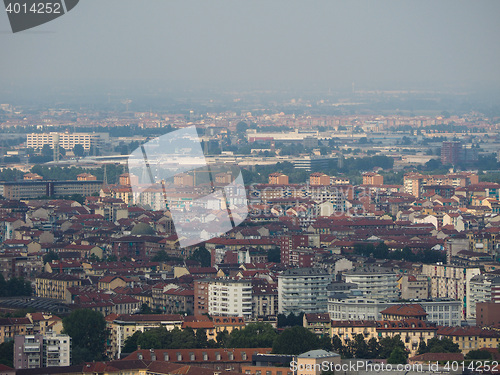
(367, 236)
(255, 187)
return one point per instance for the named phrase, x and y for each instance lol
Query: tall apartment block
(303, 290)
(35, 351)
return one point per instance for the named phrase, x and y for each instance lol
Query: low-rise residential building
(55, 285)
(470, 338)
(346, 330)
(412, 332)
(319, 324)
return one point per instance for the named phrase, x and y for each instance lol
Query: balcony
(31, 348)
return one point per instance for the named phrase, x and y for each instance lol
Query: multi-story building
(16, 190)
(443, 312)
(66, 140)
(412, 332)
(318, 178)
(346, 330)
(470, 338)
(414, 287)
(303, 290)
(449, 281)
(264, 300)
(124, 326)
(278, 178)
(319, 324)
(451, 152)
(55, 285)
(175, 300)
(480, 288)
(371, 178)
(230, 297)
(10, 327)
(414, 182)
(374, 283)
(356, 308)
(201, 296)
(35, 351)
(487, 314)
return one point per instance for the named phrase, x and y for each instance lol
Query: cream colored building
(314, 362)
(124, 326)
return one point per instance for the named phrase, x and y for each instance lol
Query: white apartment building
(229, 297)
(453, 282)
(374, 283)
(303, 290)
(480, 288)
(66, 140)
(357, 308)
(443, 312)
(57, 350)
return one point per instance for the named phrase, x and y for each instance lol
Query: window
(243, 356)
(166, 357)
(179, 356)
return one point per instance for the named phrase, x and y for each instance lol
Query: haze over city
(105, 46)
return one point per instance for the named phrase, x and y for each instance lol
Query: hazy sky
(271, 43)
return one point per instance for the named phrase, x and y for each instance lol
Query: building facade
(303, 290)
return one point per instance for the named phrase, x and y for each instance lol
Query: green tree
(360, 347)
(50, 256)
(398, 356)
(296, 340)
(436, 345)
(161, 256)
(241, 127)
(131, 343)
(388, 344)
(222, 338)
(7, 353)
(78, 150)
(201, 339)
(373, 348)
(14, 287)
(47, 151)
(87, 329)
(254, 335)
(478, 354)
(203, 256)
(274, 255)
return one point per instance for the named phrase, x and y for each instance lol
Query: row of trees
(381, 251)
(256, 335)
